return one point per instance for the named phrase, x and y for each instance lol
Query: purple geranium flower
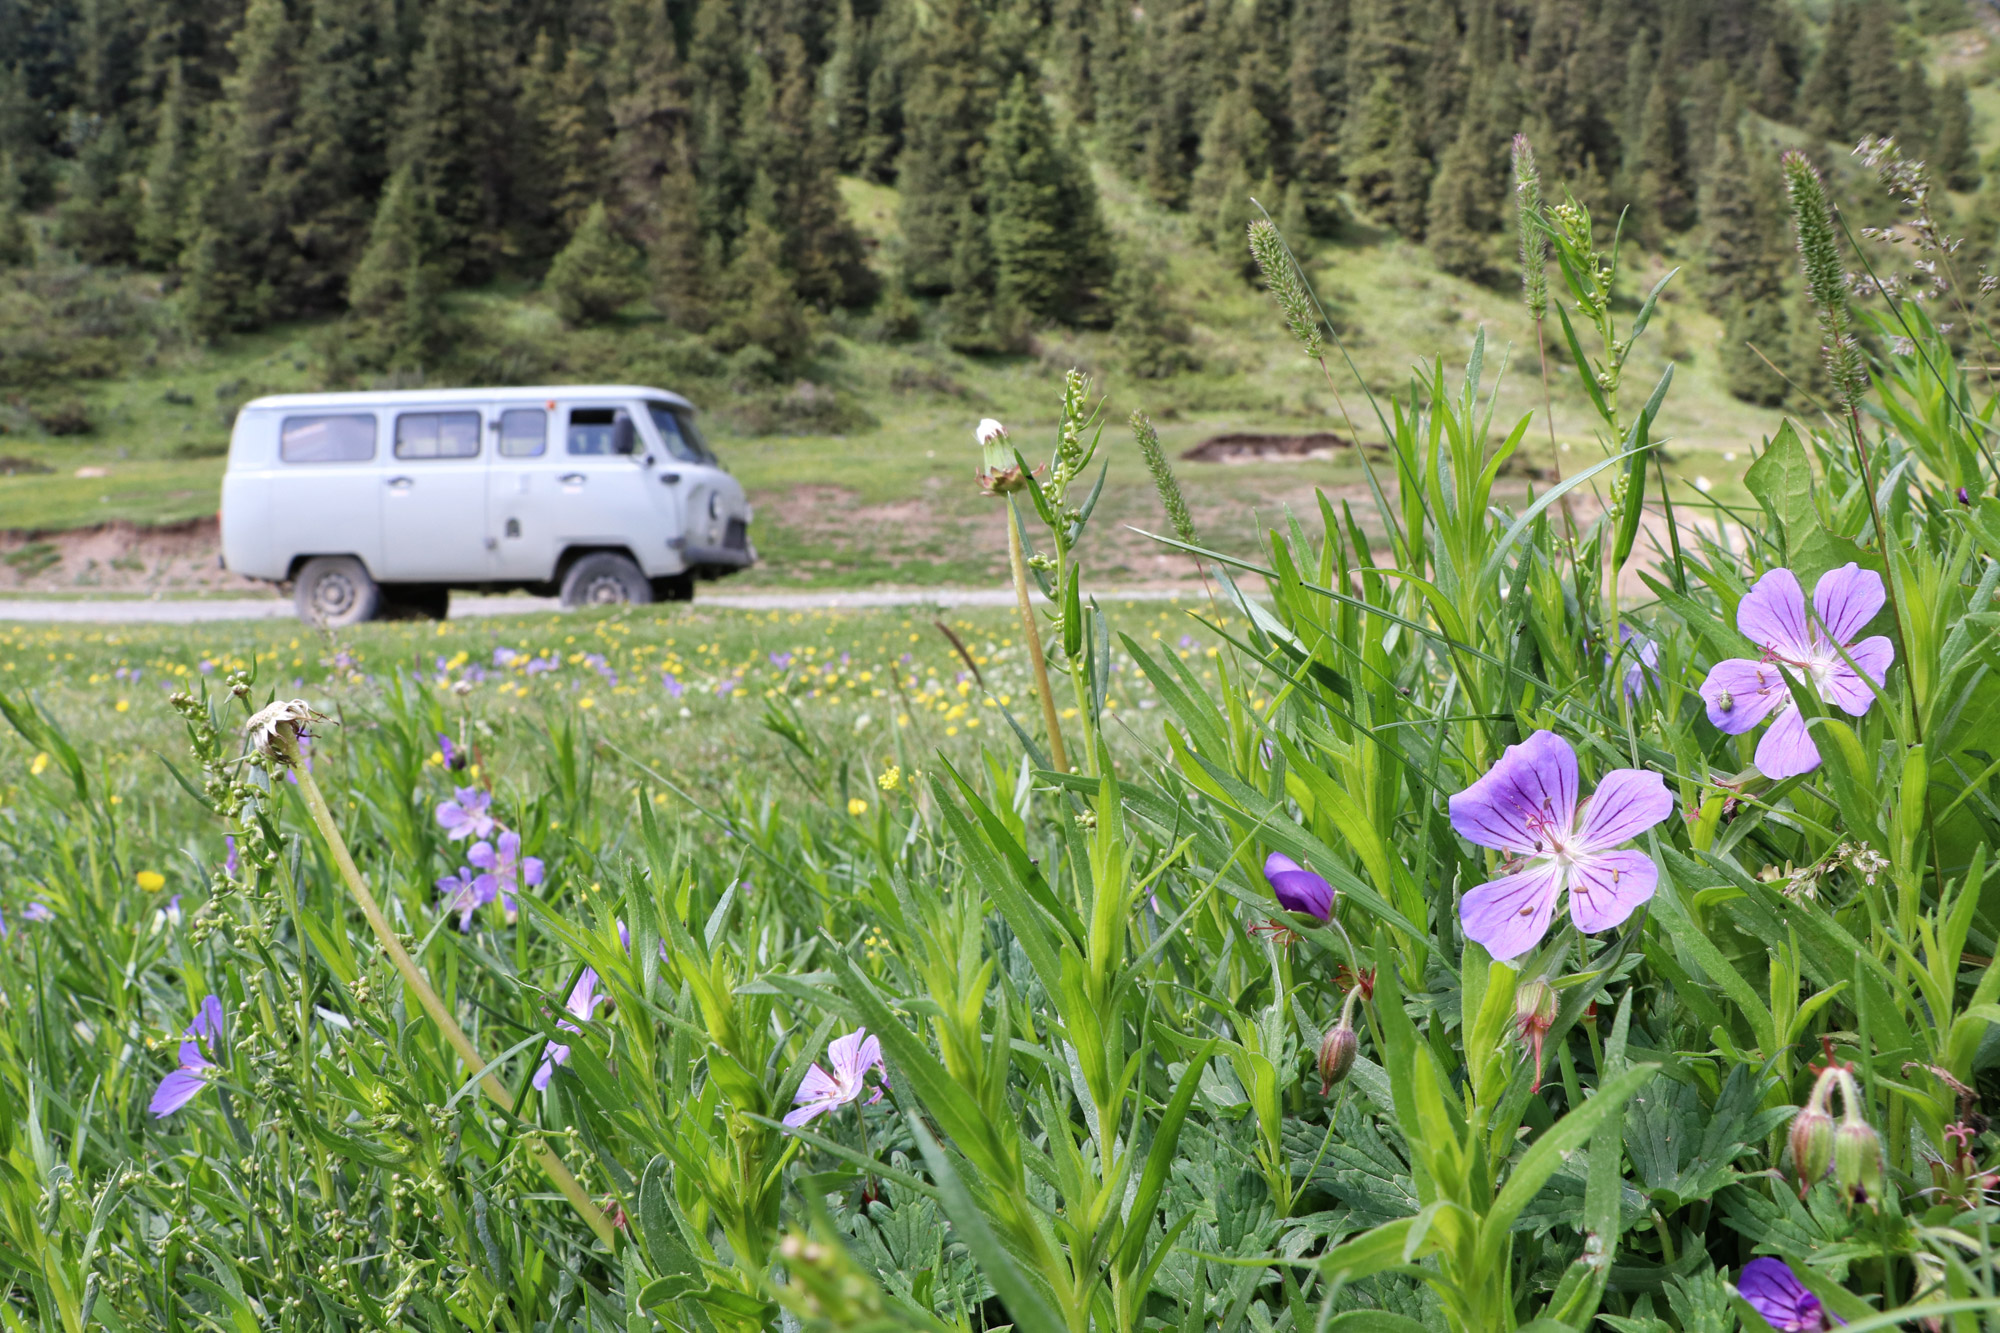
(1527, 805)
(782, 661)
(1298, 889)
(180, 1087)
(1741, 693)
(454, 758)
(1644, 657)
(583, 1002)
(1772, 1289)
(462, 895)
(672, 685)
(465, 816)
(38, 911)
(232, 865)
(851, 1056)
(506, 870)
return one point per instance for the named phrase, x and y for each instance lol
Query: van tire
(674, 588)
(605, 579)
(335, 591)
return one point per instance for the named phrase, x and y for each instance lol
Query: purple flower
(465, 815)
(1644, 657)
(205, 666)
(232, 865)
(725, 687)
(179, 1088)
(782, 661)
(583, 1002)
(1527, 805)
(1964, 496)
(1298, 889)
(1776, 1293)
(851, 1056)
(504, 656)
(462, 895)
(1741, 693)
(453, 757)
(541, 664)
(38, 911)
(672, 685)
(506, 870)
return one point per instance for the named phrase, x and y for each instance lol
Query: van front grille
(736, 537)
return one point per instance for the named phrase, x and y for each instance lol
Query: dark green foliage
(99, 219)
(596, 274)
(1051, 256)
(1951, 155)
(398, 287)
(1154, 339)
(948, 106)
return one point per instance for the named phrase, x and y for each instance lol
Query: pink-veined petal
(808, 1113)
(1626, 803)
(870, 1056)
(1772, 615)
(1787, 749)
(583, 997)
(845, 1055)
(1844, 688)
(1606, 887)
(555, 1053)
(1741, 693)
(818, 1085)
(175, 1091)
(1533, 781)
(1846, 599)
(1511, 914)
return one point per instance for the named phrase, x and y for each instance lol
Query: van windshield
(683, 438)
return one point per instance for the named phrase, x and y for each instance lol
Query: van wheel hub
(604, 590)
(334, 595)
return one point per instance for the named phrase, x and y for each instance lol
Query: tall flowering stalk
(1002, 474)
(276, 730)
(1533, 235)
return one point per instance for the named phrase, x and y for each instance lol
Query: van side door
(319, 497)
(521, 485)
(604, 497)
(434, 498)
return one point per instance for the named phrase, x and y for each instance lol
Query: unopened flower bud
(1812, 1145)
(1534, 1015)
(1857, 1159)
(1336, 1055)
(998, 472)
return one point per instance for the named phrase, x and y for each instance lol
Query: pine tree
(646, 109)
(459, 136)
(596, 274)
(351, 78)
(765, 308)
(17, 242)
(680, 269)
(163, 199)
(99, 219)
(1875, 92)
(1660, 174)
(976, 321)
(1051, 256)
(1775, 85)
(1460, 220)
(1951, 154)
(1154, 339)
(1750, 326)
(564, 101)
(946, 116)
(1318, 96)
(1236, 163)
(1409, 180)
(397, 290)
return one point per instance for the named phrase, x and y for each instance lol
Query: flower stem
(413, 975)
(1018, 561)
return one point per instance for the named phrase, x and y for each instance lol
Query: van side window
(592, 430)
(329, 439)
(524, 432)
(437, 435)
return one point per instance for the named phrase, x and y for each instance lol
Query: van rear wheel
(335, 591)
(604, 579)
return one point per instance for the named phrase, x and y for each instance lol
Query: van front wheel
(605, 579)
(336, 591)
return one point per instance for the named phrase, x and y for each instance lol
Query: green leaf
(1372, 1321)
(1026, 1303)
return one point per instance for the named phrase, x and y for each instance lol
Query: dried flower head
(276, 727)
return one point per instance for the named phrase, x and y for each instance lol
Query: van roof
(412, 397)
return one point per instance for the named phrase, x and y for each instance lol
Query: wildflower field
(1411, 934)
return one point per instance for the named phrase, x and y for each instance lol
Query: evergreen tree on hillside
(765, 311)
(564, 101)
(881, 143)
(1317, 89)
(168, 182)
(596, 274)
(1876, 90)
(646, 108)
(1236, 163)
(1051, 254)
(718, 76)
(17, 243)
(351, 73)
(99, 219)
(244, 266)
(681, 264)
(459, 136)
(397, 291)
(947, 111)
(1665, 202)
(1951, 155)
(1176, 45)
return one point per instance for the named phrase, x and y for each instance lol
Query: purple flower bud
(1336, 1054)
(1298, 889)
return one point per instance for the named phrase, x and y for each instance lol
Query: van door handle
(400, 483)
(670, 478)
(573, 479)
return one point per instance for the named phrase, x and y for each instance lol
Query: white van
(375, 504)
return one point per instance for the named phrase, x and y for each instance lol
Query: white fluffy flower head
(262, 729)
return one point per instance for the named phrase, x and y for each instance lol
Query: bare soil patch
(120, 557)
(1246, 447)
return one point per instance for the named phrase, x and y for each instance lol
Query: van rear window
(328, 439)
(437, 435)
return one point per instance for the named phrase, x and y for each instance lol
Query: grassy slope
(895, 502)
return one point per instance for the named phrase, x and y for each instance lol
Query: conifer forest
(1368, 700)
